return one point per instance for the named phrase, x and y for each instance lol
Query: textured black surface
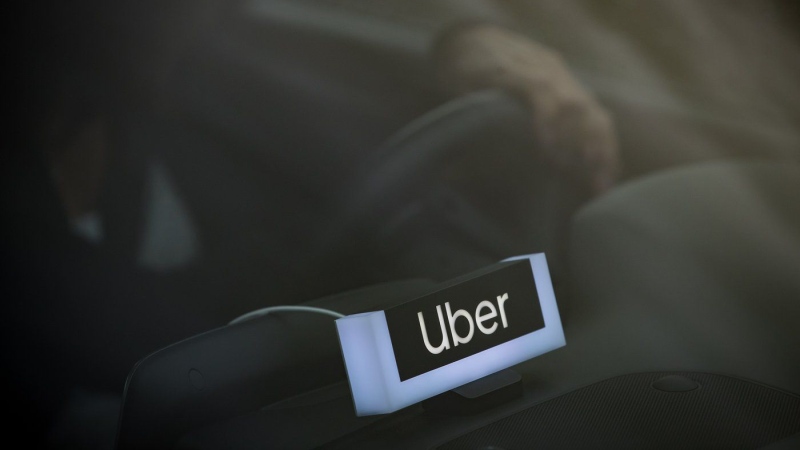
(627, 412)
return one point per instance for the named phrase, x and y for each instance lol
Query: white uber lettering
(480, 318)
(445, 343)
(452, 319)
(501, 302)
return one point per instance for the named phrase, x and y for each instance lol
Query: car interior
(303, 152)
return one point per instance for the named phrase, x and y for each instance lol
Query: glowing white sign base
(372, 370)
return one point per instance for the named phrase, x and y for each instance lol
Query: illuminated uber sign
(465, 329)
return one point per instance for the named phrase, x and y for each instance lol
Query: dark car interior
(275, 152)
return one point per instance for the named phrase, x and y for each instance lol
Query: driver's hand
(572, 129)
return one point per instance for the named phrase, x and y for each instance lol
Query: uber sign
(466, 316)
(465, 329)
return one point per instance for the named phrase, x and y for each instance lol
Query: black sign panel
(464, 316)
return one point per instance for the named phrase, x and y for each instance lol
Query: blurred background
(177, 163)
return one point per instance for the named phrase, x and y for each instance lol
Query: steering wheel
(457, 188)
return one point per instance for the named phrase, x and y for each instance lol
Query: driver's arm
(573, 130)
